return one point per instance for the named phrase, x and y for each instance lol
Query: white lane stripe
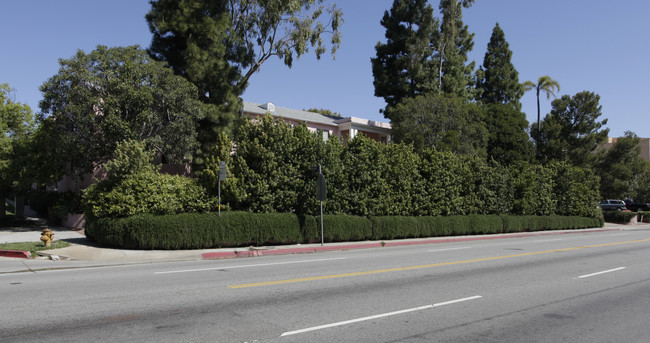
(249, 265)
(548, 240)
(289, 333)
(448, 249)
(603, 272)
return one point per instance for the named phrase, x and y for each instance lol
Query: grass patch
(33, 247)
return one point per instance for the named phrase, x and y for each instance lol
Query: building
(644, 144)
(344, 128)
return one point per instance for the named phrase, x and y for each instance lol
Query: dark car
(636, 206)
(612, 205)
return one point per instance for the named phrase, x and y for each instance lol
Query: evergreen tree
(508, 141)
(571, 132)
(619, 168)
(441, 122)
(403, 66)
(498, 81)
(453, 44)
(218, 45)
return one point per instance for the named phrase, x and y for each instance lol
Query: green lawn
(33, 247)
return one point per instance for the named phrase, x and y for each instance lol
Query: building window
(324, 133)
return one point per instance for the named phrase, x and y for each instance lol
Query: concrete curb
(253, 252)
(15, 253)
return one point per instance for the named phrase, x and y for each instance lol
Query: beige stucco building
(344, 128)
(644, 144)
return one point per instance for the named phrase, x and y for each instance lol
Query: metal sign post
(222, 177)
(321, 194)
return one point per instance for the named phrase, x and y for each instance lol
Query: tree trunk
(20, 206)
(3, 204)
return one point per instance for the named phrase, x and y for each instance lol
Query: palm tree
(546, 84)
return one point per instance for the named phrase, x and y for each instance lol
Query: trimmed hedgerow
(232, 229)
(196, 231)
(618, 216)
(392, 227)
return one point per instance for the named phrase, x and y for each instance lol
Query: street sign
(321, 188)
(222, 170)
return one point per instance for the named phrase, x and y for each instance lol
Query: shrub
(195, 231)
(146, 192)
(618, 216)
(340, 228)
(391, 227)
(233, 229)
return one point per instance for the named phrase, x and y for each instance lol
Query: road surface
(581, 287)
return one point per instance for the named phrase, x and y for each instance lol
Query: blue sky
(593, 45)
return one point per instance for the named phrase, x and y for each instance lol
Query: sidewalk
(83, 253)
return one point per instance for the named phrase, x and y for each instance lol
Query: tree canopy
(325, 112)
(423, 54)
(113, 94)
(403, 67)
(453, 44)
(441, 122)
(508, 142)
(621, 167)
(219, 45)
(572, 130)
(498, 80)
(544, 84)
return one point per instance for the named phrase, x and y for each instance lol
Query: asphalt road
(592, 287)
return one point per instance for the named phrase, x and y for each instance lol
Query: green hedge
(195, 231)
(235, 229)
(618, 216)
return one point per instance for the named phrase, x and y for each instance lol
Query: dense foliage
(272, 170)
(129, 191)
(441, 122)
(572, 131)
(236, 229)
(111, 94)
(498, 80)
(219, 45)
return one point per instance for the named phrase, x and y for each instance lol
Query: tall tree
(109, 95)
(498, 81)
(453, 44)
(441, 122)
(403, 66)
(16, 128)
(544, 84)
(620, 167)
(571, 132)
(218, 45)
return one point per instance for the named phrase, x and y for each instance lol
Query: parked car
(636, 206)
(612, 205)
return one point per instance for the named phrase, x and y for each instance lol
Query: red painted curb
(265, 252)
(15, 253)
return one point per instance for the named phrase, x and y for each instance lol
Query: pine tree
(403, 66)
(453, 44)
(499, 80)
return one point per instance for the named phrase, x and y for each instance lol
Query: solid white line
(289, 333)
(249, 265)
(603, 272)
(548, 240)
(448, 249)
